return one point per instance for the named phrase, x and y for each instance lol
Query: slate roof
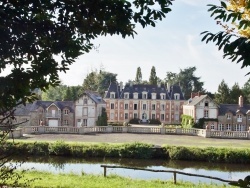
(233, 108)
(95, 96)
(22, 110)
(140, 88)
(195, 100)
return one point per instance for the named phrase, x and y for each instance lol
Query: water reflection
(92, 166)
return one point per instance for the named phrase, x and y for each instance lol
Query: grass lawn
(48, 180)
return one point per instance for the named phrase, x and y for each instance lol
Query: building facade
(87, 109)
(228, 117)
(46, 113)
(143, 102)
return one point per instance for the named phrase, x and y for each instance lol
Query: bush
(59, 148)
(154, 121)
(134, 121)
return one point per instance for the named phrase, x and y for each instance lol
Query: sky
(174, 44)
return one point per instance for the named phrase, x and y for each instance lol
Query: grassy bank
(44, 180)
(132, 150)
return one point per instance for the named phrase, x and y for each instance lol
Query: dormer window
(153, 95)
(112, 95)
(135, 95)
(176, 96)
(206, 104)
(228, 116)
(144, 95)
(85, 101)
(126, 95)
(163, 96)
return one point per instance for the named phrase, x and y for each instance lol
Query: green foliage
(45, 30)
(59, 148)
(103, 119)
(235, 47)
(187, 80)
(154, 121)
(201, 122)
(187, 121)
(138, 77)
(153, 78)
(223, 94)
(134, 121)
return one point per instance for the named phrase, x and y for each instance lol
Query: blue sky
(174, 44)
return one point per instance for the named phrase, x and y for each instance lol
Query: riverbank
(49, 180)
(129, 150)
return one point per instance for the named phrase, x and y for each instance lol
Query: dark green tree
(153, 78)
(138, 77)
(104, 80)
(102, 119)
(35, 32)
(223, 94)
(187, 80)
(91, 81)
(235, 92)
(246, 91)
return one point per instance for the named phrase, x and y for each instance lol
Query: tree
(102, 119)
(246, 91)
(153, 78)
(138, 77)
(33, 33)
(187, 80)
(223, 94)
(91, 81)
(234, 39)
(235, 92)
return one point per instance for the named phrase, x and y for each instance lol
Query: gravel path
(178, 140)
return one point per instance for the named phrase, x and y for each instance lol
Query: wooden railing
(138, 130)
(105, 167)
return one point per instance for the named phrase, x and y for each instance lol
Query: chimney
(159, 84)
(240, 101)
(131, 83)
(121, 86)
(168, 87)
(194, 94)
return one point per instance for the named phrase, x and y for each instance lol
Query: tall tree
(187, 80)
(223, 94)
(138, 77)
(104, 80)
(153, 78)
(246, 91)
(91, 81)
(234, 17)
(235, 92)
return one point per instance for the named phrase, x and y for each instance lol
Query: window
(66, 122)
(135, 95)
(153, 106)
(176, 117)
(239, 118)
(112, 95)
(126, 115)
(206, 113)
(176, 96)
(162, 117)
(212, 126)
(85, 101)
(112, 106)
(163, 96)
(126, 96)
(228, 127)
(144, 96)
(162, 107)
(85, 111)
(144, 106)
(144, 116)
(153, 116)
(206, 104)
(176, 108)
(85, 122)
(228, 116)
(248, 117)
(66, 112)
(135, 116)
(126, 106)
(153, 95)
(135, 106)
(238, 127)
(221, 127)
(111, 116)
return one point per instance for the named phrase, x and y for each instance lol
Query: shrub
(134, 121)
(154, 121)
(59, 148)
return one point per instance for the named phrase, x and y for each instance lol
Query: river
(92, 166)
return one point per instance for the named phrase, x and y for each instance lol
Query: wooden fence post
(174, 177)
(105, 171)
